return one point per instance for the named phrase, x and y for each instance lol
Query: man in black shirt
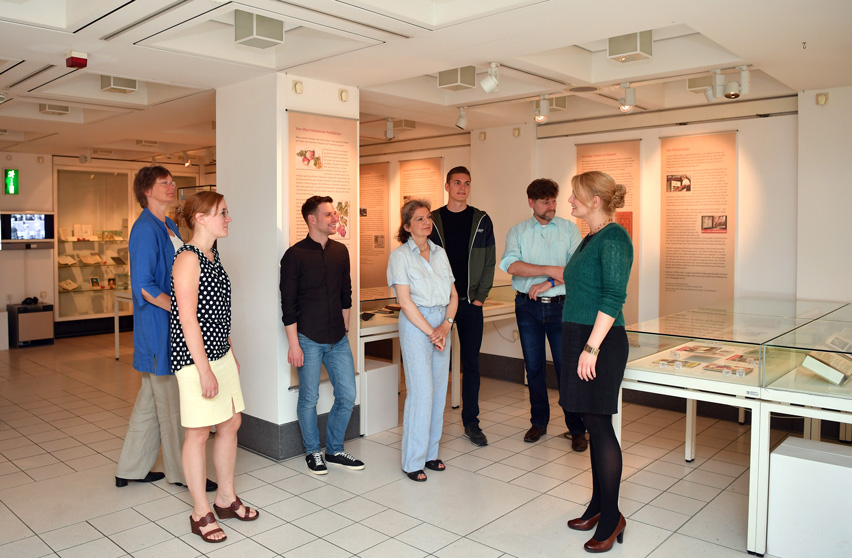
(467, 234)
(316, 297)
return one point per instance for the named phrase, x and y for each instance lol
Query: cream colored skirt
(195, 410)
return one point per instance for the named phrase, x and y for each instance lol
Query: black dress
(598, 396)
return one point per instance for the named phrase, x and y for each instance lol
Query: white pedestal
(380, 396)
(4, 331)
(810, 488)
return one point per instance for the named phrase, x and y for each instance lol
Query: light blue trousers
(426, 374)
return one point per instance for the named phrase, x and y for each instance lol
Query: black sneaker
(344, 460)
(316, 464)
(473, 433)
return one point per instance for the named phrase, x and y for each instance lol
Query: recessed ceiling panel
(435, 14)
(211, 35)
(65, 15)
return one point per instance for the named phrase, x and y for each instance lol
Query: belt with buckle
(543, 299)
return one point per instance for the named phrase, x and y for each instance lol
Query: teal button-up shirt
(533, 243)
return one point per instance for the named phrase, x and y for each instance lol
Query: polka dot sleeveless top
(214, 311)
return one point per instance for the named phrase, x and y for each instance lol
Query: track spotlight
(542, 111)
(708, 94)
(732, 90)
(461, 123)
(389, 135)
(718, 84)
(629, 100)
(186, 160)
(490, 82)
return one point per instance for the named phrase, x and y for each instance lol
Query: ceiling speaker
(630, 47)
(458, 79)
(256, 30)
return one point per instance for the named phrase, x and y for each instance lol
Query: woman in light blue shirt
(422, 279)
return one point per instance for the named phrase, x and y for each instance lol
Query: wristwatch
(591, 350)
(552, 282)
(452, 321)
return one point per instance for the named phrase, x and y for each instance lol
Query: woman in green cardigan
(594, 344)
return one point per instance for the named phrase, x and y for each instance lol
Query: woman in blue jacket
(156, 415)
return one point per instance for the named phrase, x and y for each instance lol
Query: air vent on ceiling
(99, 151)
(113, 84)
(630, 47)
(3, 131)
(55, 110)
(256, 30)
(457, 79)
(147, 143)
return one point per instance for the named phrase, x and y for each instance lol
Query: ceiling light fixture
(461, 123)
(628, 102)
(541, 110)
(389, 133)
(732, 90)
(186, 160)
(491, 82)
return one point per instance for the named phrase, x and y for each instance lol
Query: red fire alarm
(74, 59)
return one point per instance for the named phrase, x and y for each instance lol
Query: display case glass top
(720, 342)
(814, 359)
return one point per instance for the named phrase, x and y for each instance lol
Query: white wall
(25, 273)
(825, 196)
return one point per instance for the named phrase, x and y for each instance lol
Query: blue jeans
(338, 362)
(426, 373)
(537, 321)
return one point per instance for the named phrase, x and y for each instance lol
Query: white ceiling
(180, 51)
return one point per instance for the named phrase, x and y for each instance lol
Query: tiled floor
(64, 409)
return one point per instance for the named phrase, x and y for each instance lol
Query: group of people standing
(568, 292)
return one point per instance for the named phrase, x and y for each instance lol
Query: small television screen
(26, 226)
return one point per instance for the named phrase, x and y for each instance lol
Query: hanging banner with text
(697, 220)
(373, 224)
(620, 160)
(421, 179)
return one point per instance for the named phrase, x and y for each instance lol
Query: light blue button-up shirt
(429, 282)
(533, 243)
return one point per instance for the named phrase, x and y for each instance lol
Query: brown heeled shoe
(605, 546)
(231, 511)
(204, 522)
(581, 524)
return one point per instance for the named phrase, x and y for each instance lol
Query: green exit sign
(12, 186)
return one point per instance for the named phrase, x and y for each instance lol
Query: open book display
(705, 359)
(833, 367)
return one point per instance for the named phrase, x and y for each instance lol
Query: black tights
(606, 473)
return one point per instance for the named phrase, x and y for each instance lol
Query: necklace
(602, 225)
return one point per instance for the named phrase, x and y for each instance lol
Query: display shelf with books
(92, 257)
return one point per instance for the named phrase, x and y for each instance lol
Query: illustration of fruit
(341, 230)
(310, 154)
(306, 161)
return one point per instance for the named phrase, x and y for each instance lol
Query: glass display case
(92, 261)
(812, 363)
(719, 347)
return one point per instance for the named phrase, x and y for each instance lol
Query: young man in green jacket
(467, 234)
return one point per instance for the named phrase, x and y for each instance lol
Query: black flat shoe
(415, 476)
(211, 486)
(150, 477)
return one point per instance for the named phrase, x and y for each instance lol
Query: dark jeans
(469, 324)
(537, 320)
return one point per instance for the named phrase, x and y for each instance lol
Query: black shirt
(457, 229)
(315, 289)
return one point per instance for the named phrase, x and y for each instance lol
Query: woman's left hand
(586, 366)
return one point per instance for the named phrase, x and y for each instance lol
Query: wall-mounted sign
(11, 179)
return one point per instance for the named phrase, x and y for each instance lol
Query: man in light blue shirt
(536, 253)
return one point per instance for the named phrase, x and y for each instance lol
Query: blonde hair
(597, 183)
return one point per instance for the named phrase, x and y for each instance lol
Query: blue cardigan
(151, 257)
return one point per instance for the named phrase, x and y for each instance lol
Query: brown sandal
(231, 511)
(204, 522)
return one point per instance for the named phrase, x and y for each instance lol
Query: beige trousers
(155, 420)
